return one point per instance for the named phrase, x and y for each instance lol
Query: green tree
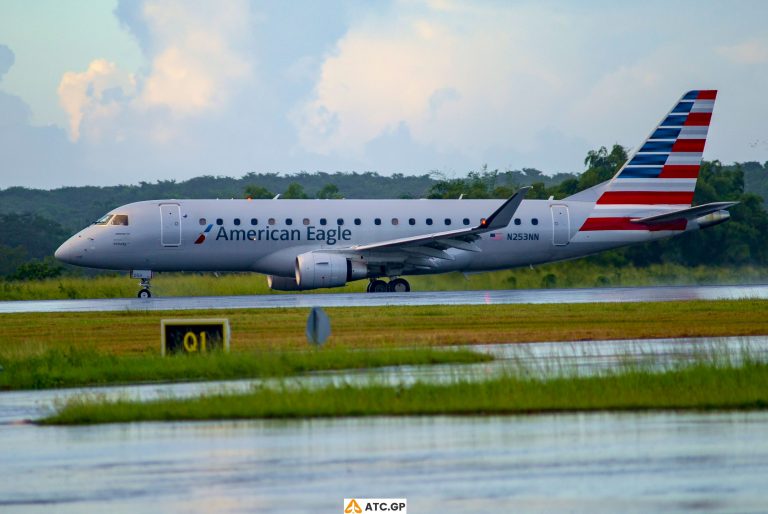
(258, 192)
(11, 259)
(601, 165)
(37, 270)
(329, 192)
(295, 191)
(39, 236)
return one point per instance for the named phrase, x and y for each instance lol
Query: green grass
(702, 386)
(137, 332)
(72, 367)
(67, 349)
(569, 274)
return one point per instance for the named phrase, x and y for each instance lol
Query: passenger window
(271, 221)
(288, 221)
(237, 221)
(517, 221)
(103, 220)
(202, 221)
(357, 221)
(377, 221)
(411, 221)
(340, 221)
(323, 221)
(466, 221)
(219, 221)
(254, 221)
(395, 221)
(429, 221)
(120, 219)
(535, 221)
(306, 221)
(447, 221)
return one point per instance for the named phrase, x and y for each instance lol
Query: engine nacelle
(319, 269)
(713, 218)
(282, 283)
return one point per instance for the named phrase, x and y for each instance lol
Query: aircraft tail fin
(660, 175)
(664, 169)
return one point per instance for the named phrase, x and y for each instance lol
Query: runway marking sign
(194, 335)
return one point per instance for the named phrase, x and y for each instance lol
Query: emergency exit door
(170, 224)
(561, 226)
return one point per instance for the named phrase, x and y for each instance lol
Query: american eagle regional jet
(309, 244)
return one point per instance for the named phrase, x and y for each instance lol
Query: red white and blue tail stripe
(661, 175)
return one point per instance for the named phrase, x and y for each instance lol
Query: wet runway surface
(601, 462)
(496, 297)
(656, 462)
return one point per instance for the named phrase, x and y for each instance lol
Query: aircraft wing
(686, 214)
(433, 245)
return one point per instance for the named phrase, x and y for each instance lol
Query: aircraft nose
(66, 252)
(62, 252)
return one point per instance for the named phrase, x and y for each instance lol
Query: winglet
(503, 215)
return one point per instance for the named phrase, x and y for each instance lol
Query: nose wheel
(144, 291)
(397, 285)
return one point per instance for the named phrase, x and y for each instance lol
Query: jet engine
(713, 218)
(282, 283)
(319, 269)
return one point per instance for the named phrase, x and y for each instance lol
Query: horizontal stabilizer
(685, 214)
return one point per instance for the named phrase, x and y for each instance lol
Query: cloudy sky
(99, 92)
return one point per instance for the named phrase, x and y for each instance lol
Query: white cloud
(199, 56)
(465, 78)
(197, 61)
(92, 93)
(754, 51)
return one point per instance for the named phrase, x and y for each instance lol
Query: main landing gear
(397, 285)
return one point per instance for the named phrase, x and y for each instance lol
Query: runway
(497, 297)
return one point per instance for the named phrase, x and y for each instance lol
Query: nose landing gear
(397, 285)
(144, 291)
(144, 276)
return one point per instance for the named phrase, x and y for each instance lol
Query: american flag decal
(497, 236)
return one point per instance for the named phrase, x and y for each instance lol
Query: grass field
(579, 273)
(137, 333)
(69, 368)
(703, 386)
(64, 349)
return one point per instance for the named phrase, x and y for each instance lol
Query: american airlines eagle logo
(201, 238)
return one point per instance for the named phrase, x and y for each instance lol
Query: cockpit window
(103, 220)
(120, 219)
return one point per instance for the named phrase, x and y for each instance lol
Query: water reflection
(629, 462)
(572, 462)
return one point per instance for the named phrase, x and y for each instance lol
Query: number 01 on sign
(194, 335)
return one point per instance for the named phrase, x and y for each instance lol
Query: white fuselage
(266, 236)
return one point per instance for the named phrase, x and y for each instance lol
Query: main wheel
(398, 285)
(378, 286)
(144, 293)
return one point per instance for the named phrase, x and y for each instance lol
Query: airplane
(310, 244)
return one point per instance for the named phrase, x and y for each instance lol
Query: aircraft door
(170, 224)
(561, 226)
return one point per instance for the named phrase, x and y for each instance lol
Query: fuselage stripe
(593, 224)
